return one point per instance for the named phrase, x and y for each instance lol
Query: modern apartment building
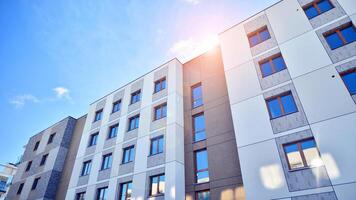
(268, 114)
(7, 172)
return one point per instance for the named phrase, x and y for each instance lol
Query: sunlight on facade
(173, 192)
(271, 176)
(331, 166)
(230, 194)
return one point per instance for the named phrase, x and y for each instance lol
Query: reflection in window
(197, 95)
(201, 166)
(203, 195)
(113, 131)
(341, 36)
(107, 161)
(157, 185)
(258, 36)
(102, 193)
(349, 78)
(199, 127)
(281, 105)
(317, 7)
(86, 168)
(126, 191)
(93, 139)
(156, 145)
(272, 65)
(80, 196)
(128, 154)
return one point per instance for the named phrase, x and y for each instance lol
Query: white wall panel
(348, 5)
(345, 192)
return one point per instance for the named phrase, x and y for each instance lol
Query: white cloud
(62, 92)
(194, 2)
(20, 100)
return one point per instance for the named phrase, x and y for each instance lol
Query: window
(156, 145)
(302, 154)
(128, 154)
(199, 127)
(51, 137)
(98, 115)
(341, 36)
(134, 122)
(197, 95)
(349, 78)
(113, 131)
(136, 96)
(19, 190)
(161, 111)
(258, 36)
(80, 196)
(36, 146)
(43, 160)
(157, 185)
(102, 193)
(201, 166)
(86, 168)
(126, 191)
(28, 167)
(317, 7)
(272, 65)
(281, 105)
(203, 195)
(107, 161)
(116, 106)
(160, 85)
(93, 139)
(35, 183)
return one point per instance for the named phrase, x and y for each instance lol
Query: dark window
(106, 162)
(302, 154)
(51, 137)
(102, 193)
(93, 139)
(28, 167)
(258, 36)
(197, 95)
(341, 36)
(161, 111)
(134, 122)
(136, 96)
(317, 7)
(86, 168)
(272, 65)
(43, 160)
(157, 185)
(156, 145)
(281, 105)
(36, 146)
(349, 78)
(160, 85)
(113, 131)
(98, 115)
(116, 106)
(203, 195)
(19, 190)
(80, 196)
(128, 154)
(199, 127)
(35, 183)
(201, 166)
(126, 191)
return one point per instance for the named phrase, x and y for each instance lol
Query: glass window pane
(279, 63)
(294, 157)
(161, 184)
(158, 113)
(160, 145)
(324, 5)
(157, 87)
(311, 12)
(264, 35)
(197, 96)
(266, 69)
(288, 104)
(253, 40)
(202, 160)
(154, 147)
(154, 186)
(311, 153)
(205, 195)
(199, 123)
(334, 41)
(203, 177)
(274, 109)
(350, 82)
(163, 84)
(349, 34)
(132, 153)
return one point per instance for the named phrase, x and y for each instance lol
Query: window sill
(194, 142)
(157, 195)
(152, 155)
(303, 168)
(128, 131)
(104, 169)
(159, 118)
(127, 163)
(83, 175)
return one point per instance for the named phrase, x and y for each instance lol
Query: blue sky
(56, 57)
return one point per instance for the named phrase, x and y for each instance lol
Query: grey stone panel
(78, 190)
(126, 168)
(150, 173)
(256, 24)
(163, 72)
(52, 184)
(118, 95)
(90, 150)
(104, 174)
(157, 124)
(160, 94)
(302, 179)
(340, 53)
(130, 135)
(60, 159)
(96, 124)
(46, 187)
(100, 104)
(291, 121)
(115, 115)
(320, 196)
(156, 160)
(135, 106)
(83, 180)
(67, 136)
(138, 85)
(110, 142)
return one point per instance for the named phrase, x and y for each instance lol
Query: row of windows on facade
(50, 140)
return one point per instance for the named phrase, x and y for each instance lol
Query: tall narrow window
(201, 166)
(126, 191)
(86, 168)
(157, 185)
(43, 160)
(51, 137)
(197, 95)
(156, 145)
(80, 196)
(116, 106)
(160, 85)
(272, 65)
(106, 162)
(349, 78)
(302, 154)
(113, 131)
(93, 139)
(160, 111)
(128, 154)
(136, 96)
(341, 36)
(134, 122)
(28, 167)
(35, 183)
(102, 193)
(98, 115)
(258, 36)
(199, 127)
(36, 146)
(317, 7)
(281, 105)
(19, 190)
(203, 195)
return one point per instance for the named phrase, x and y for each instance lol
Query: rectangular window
(36, 146)
(128, 154)
(161, 111)
(102, 193)
(157, 184)
(35, 183)
(160, 85)
(302, 154)
(19, 190)
(134, 122)
(203, 195)
(98, 115)
(201, 166)
(116, 106)
(340, 36)
(51, 137)
(80, 196)
(28, 167)
(86, 168)
(106, 162)
(197, 95)
(281, 105)
(317, 7)
(349, 78)
(136, 96)
(126, 191)
(156, 145)
(93, 139)
(272, 65)
(113, 131)
(43, 160)
(199, 127)
(258, 36)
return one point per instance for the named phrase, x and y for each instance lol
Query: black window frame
(135, 97)
(19, 189)
(86, 168)
(28, 166)
(131, 152)
(110, 134)
(115, 105)
(37, 144)
(98, 192)
(158, 184)
(35, 183)
(51, 138)
(158, 138)
(44, 159)
(91, 139)
(159, 83)
(136, 118)
(125, 193)
(105, 166)
(162, 107)
(98, 115)
(80, 195)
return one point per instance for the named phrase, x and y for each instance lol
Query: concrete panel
(345, 192)
(348, 6)
(327, 195)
